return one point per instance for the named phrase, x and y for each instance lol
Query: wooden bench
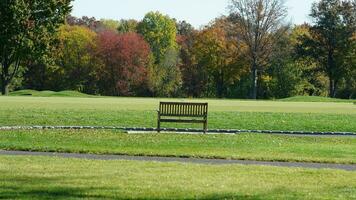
(174, 112)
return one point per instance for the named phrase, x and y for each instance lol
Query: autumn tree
(259, 24)
(27, 30)
(74, 58)
(125, 59)
(218, 55)
(91, 22)
(330, 39)
(71, 68)
(192, 74)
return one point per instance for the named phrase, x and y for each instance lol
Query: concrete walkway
(348, 167)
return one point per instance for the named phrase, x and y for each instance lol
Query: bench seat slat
(178, 115)
(183, 120)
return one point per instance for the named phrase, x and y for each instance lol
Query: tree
(217, 53)
(330, 39)
(74, 59)
(348, 83)
(127, 26)
(165, 77)
(72, 66)
(26, 30)
(90, 22)
(184, 28)
(110, 24)
(312, 79)
(193, 75)
(284, 77)
(124, 59)
(259, 23)
(160, 32)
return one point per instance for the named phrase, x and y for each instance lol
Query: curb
(187, 130)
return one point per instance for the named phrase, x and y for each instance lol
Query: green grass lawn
(140, 112)
(315, 99)
(25, 177)
(243, 146)
(34, 93)
(58, 178)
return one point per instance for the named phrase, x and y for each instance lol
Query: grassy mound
(35, 93)
(315, 99)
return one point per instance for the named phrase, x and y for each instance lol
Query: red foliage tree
(124, 59)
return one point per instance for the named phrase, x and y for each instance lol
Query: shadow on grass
(59, 188)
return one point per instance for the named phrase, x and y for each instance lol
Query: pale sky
(196, 12)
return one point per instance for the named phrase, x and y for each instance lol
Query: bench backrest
(175, 109)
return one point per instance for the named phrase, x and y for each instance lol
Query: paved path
(349, 167)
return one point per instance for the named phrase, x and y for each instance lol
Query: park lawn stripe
(242, 146)
(216, 120)
(48, 178)
(141, 112)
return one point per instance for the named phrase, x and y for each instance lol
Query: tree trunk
(220, 85)
(332, 88)
(5, 88)
(254, 82)
(5, 78)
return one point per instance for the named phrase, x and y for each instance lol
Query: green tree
(27, 30)
(165, 78)
(160, 32)
(127, 26)
(109, 24)
(330, 39)
(348, 83)
(290, 75)
(312, 79)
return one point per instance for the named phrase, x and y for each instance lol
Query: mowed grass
(58, 178)
(316, 99)
(141, 112)
(35, 93)
(242, 146)
(26, 177)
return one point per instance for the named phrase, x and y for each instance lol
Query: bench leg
(205, 127)
(159, 124)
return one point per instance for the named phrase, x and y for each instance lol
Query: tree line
(250, 53)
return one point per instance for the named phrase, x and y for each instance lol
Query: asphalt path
(348, 167)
